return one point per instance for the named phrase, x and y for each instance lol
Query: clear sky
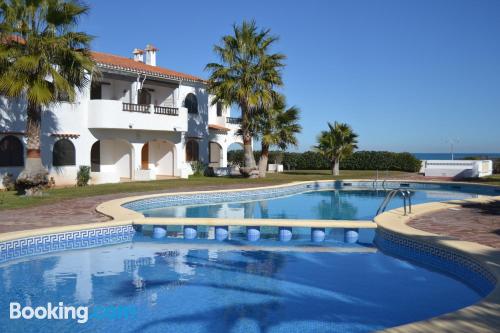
(406, 74)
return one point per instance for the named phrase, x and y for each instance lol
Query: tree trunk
(248, 151)
(264, 158)
(250, 168)
(336, 167)
(34, 174)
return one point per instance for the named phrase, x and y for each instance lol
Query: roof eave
(158, 75)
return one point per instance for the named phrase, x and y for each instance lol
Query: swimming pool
(324, 204)
(174, 285)
(132, 280)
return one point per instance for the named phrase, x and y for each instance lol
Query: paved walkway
(478, 223)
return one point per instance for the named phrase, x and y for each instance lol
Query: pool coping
(115, 210)
(483, 316)
(486, 311)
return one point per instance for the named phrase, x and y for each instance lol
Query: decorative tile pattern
(69, 240)
(454, 263)
(258, 194)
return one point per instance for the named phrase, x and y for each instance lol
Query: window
(11, 152)
(219, 109)
(191, 103)
(63, 153)
(215, 152)
(191, 151)
(96, 90)
(144, 96)
(95, 157)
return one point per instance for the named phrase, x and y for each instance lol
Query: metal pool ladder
(406, 194)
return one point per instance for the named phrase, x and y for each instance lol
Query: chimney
(138, 55)
(151, 54)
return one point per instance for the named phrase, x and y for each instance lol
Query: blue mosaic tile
(259, 194)
(456, 264)
(68, 240)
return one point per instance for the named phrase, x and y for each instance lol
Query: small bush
(83, 176)
(32, 184)
(496, 165)
(381, 160)
(9, 182)
(198, 168)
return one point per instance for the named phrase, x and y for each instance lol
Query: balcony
(233, 120)
(119, 115)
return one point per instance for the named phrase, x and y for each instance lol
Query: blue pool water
(321, 205)
(178, 286)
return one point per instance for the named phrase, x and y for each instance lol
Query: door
(145, 156)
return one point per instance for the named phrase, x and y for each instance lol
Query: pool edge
(486, 312)
(483, 316)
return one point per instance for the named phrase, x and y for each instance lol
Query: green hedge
(361, 160)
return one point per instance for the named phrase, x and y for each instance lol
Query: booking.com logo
(68, 312)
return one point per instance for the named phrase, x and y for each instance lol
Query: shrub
(235, 157)
(381, 160)
(198, 168)
(496, 165)
(360, 160)
(83, 176)
(9, 182)
(33, 184)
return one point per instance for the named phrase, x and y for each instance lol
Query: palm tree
(277, 127)
(246, 76)
(42, 60)
(337, 143)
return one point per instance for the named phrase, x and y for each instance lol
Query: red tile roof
(111, 60)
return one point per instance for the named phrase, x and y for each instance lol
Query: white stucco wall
(122, 133)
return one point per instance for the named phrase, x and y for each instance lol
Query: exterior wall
(123, 133)
(458, 168)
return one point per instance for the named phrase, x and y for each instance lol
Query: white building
(137, 121)
(457, 168)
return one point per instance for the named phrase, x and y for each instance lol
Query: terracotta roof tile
(137, 66)
(218, 127)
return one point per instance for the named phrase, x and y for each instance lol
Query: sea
(456, 156)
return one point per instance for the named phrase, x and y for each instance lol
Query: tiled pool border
(478, 264)
(210, 197)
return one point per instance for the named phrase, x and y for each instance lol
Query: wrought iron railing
(232, 120)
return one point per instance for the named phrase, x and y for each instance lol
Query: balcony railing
(166, 110)
(143, 108)
(146, 108)
(233, 120)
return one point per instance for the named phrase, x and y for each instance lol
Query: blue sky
(407, 75)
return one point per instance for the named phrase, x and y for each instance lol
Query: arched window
(95, 157)
(11, 152)
(63, 153)
(191, 103)
(192, 151)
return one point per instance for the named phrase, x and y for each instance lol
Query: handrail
(131, 107)
(233, 120)
(166, 110)
(390, 195)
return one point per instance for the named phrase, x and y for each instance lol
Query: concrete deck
(474, 222)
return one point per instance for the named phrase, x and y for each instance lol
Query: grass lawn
(9, 200)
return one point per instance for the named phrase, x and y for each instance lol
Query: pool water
(320, 205)
(182, 286)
